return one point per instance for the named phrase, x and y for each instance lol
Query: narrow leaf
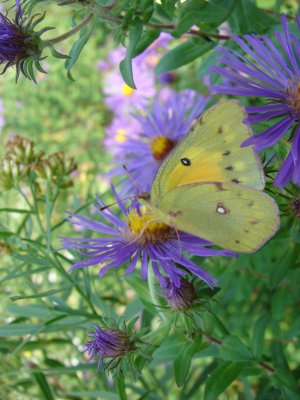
(135, 32)
(183, 54)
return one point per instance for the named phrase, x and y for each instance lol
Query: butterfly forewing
(211, 152)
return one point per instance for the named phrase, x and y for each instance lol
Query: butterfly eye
(186, 162)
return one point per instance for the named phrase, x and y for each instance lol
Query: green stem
(71, 32)
(153, 293)
(103, 13)
(120, 384)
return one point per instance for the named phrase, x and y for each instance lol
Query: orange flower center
(161, 146)
(146, 229)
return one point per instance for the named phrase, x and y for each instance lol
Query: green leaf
(221, 378)
(247, 18)
(40, 295)
(94, 394)
(183, 54)
(78, 46)
(287, 262)
(283, 378)
(141, 289)
(44, 386)
(195, 12)
(258, 335)
(183, 361)
(169, 7)
(135, 32)
(233, 349)
(147, 38)
(16, 210)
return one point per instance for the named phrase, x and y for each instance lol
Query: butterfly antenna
(116, 202)
(132, 179)
(178, 238)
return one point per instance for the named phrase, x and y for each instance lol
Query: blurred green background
(60, 115)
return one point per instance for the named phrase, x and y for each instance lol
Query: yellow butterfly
(212, 188)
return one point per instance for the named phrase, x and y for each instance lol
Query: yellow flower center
(121, 135)
(293, 98)
(146, 229)
(127, 90)
(161, 146)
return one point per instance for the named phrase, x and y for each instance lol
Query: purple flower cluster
(270, 70)
(158, 129)
(139, 240)
(148, 121)
(121, 98)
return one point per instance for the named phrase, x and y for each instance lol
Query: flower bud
(180, 298)
(111, 344)
(20, 45)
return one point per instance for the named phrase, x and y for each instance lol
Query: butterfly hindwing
(211, 152)
(232, 216)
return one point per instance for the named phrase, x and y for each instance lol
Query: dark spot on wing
(246, 231)
(237, 241)
(226, 153)
(220, 130)
(250, 204)
(200, 120)
(219, 186)
(254, 222)
(235, 180)
(229, 168)
(186, 162)
(175, 213)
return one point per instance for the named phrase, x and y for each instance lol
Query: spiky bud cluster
(57, 168)
(21, 158)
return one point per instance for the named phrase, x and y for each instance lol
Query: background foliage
(250, 328)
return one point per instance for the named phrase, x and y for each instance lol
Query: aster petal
(93, 225)
(270, 136)
(287, 48)
(285, 173)
(133, 262)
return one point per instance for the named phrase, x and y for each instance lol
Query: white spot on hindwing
(221, 209)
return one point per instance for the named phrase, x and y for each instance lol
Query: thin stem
(120, 384)
(152, 290)
(71, 32)
(262, 364)
(206, 36)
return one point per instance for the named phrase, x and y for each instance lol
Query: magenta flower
(271, 71)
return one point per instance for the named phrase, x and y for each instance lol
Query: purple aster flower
(111, 344)
(19, 44)
(118, 95)
(163, 125)
(118, 132)
(138, 240)
(273, 72)
(180, 298)
(121, 98)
